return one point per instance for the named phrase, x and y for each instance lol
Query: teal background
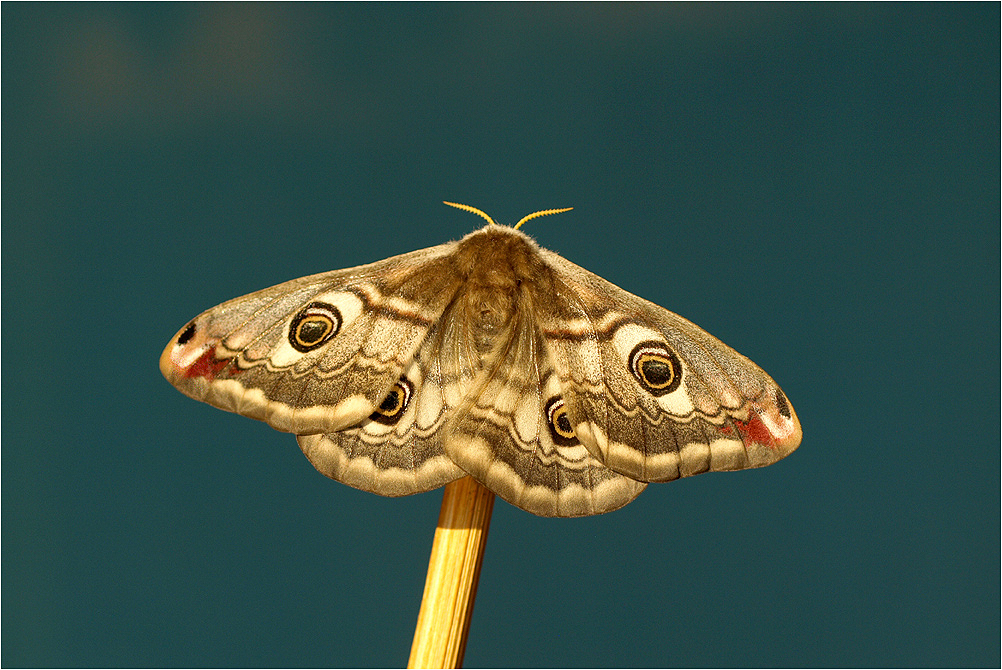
(817, 185)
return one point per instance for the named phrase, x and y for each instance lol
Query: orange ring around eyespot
(556, 412)
(656, 368)
(401, 392)
(316, 313)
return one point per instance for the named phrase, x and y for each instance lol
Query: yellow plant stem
(453, 572)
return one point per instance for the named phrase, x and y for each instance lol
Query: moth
(492, 357)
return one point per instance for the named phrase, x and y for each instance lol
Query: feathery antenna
(544, 212)
(467, 208)
(518, 225)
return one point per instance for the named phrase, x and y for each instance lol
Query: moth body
(495, 266)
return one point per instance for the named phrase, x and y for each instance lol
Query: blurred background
(817, 185)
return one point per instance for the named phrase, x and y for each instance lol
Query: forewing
(652, 395)
(315, 354)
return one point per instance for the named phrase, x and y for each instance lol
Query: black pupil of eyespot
(390, 402)
(563, 423)
(313, 330)
(657, 372)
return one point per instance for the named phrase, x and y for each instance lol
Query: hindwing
(512, 434)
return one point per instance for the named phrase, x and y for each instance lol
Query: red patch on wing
(754, 430)
(207, 365)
